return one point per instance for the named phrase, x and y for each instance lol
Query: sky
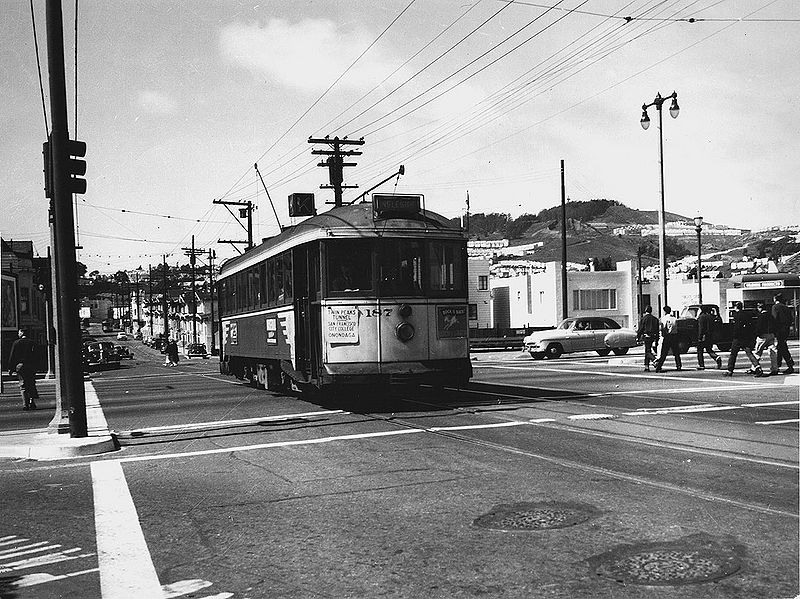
(482, 99)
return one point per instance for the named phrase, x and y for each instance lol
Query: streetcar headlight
(404, 331)
(404, 310)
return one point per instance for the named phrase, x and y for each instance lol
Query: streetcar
(373, 293)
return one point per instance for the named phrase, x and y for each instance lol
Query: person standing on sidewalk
(172, 353)
(669, 340)
(647, 332)
(782, 318)
(22, 360)
(744, 338)
(706, 325)
(765, 337)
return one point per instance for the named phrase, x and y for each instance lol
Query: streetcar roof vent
(396, 206)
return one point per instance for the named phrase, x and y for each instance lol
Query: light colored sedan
(584, 333)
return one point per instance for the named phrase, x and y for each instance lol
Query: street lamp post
(645, 122)
(698, 226)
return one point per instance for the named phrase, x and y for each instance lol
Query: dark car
(101, 354)
(196, 350)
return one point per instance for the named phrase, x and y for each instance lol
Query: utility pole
(165, 302)
(246, 212)
(150, 295)
(193, 252)
(564, 290)
(62, 185)
(335, 163)
(211, 256)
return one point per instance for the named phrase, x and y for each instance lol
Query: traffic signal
(76, 167)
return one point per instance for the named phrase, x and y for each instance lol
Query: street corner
(43, 444)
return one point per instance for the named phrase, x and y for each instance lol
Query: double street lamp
(673, 111)
(698, 227)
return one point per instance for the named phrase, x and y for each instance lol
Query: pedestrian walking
(669, 340)
(744, 338)
(765, 337)
(647, 332)
(782, 319)
(172, 353)
(706, 329)
(22, 360)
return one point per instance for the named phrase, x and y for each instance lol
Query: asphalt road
(577, 477)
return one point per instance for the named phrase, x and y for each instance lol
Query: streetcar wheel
(537, 355)
(554, 351)
(620, 351)
(604, 352)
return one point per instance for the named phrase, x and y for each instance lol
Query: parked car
(123, 352)
(585, 333)
(101, 354)
(122, 336)
(196, 350)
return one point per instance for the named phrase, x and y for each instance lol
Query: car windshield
(566, 324)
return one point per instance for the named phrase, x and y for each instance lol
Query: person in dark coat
(782, 319)
(765, 337)
(22, 360)
(647, 332)
(669, 340)
(744, 338)
(705, 337)
(172, 353)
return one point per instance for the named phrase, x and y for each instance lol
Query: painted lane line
(655, 376)
(43, 577)
(540, 420)
(668, 411)
(276, 444)
(12, 540)
(224, 423)
(436, 429)
(678, 408)
(591, 417)
(126, 568)
(38, 549)
(95, 419)
(771, 403)
(778, 421)
(43, 560)
(31, 546)
(185, 587)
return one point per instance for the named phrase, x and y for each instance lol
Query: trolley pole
(165, 302)
(211, 256)
(193, 252)
(150, 296)
(70, 334)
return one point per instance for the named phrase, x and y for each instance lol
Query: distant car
(137, 335)
(122, 336)
(196, 350)
(585, 333)
(122, 351)
(101, 354)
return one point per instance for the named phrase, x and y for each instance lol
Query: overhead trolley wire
(39, 70)
(330, 87)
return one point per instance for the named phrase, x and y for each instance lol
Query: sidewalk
(47, 443)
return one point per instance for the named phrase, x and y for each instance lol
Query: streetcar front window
(349, 267)
(400, 267)
(446, 268)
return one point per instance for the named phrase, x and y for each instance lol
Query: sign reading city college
(451, 322)
(342, 324)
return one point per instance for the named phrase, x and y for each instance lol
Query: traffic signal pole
(69, 335)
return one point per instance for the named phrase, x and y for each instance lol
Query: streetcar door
(306, 280)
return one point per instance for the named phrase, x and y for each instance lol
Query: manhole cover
(535, 516)
(691, 560)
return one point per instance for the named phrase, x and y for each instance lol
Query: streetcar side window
(287, 277)
(262, 290)
(271, 282)
(349, 267)
(252, 287)
(446, 268)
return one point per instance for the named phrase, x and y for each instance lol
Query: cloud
(308, 55)
(155, 102)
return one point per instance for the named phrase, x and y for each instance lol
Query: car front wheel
(604, 352)
(620, 351)
(554, 351)
(537, 355)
